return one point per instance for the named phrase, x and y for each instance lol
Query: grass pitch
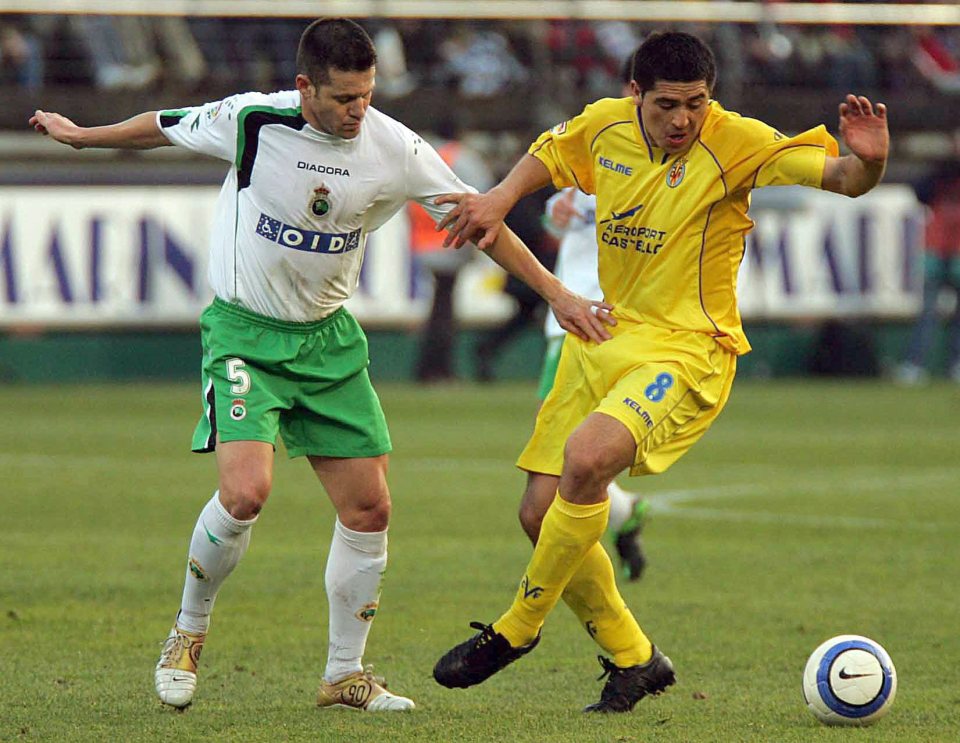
(809, 510)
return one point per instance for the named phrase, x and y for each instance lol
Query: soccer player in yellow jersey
(672, 172)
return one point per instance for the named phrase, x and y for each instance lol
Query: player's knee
(244, 498)
(588, 464)
(530, 519)
(378, 515)
(372, 515)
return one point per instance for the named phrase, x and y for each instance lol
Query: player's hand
(475, 218)
(562, 210)
(55, 126)
(585, 318)
(863, 127)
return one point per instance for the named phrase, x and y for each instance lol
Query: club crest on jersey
(238, 409)
(676, 173)
(319, 202)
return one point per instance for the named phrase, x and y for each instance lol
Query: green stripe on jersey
(249, 121)
(173, 117)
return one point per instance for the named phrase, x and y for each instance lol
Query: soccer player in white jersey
(312, 172)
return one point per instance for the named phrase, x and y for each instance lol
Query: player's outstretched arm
(582, 317)
(477, 218)
(138, 133)
(863, 128)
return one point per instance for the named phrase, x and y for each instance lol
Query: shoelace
(619, 685)
(370, 676)
(173, 648)
(486, 632)
(609, 667)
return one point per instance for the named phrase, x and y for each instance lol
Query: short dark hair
(673, 56)
(334, 43)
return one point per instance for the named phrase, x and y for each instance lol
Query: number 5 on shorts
(239, 376)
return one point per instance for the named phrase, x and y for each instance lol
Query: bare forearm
(137, 133)
(509, 252)
(851, 176)
(585, 318)
(478, 218)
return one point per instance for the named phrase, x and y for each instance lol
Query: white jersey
(577, 255)
(297, 205)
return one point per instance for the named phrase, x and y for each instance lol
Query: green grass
(809, 510)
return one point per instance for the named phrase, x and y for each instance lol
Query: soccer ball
(849, 680)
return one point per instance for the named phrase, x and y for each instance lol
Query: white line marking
(672, 502)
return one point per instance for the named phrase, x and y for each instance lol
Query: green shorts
(551, 360)
(306, 381)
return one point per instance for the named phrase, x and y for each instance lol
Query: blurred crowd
(478, 59)
(548, 62)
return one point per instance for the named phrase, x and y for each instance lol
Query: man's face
(672, 113)
(337, 107)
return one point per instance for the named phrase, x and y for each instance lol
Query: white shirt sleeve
(428, 176)
(210, 129)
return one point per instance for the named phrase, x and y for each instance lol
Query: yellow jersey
(671, 229)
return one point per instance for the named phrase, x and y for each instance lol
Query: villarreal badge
(676, 173)
(319, 205)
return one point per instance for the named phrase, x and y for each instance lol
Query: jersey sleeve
(210, 129)
(800, 165)
(758, 155)
(428, 177)
(565, 152)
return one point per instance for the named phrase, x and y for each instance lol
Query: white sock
(621, 506)
(354, 571)
(219, 541)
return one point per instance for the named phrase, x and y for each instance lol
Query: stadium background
(102, 254)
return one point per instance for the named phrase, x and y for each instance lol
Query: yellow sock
(592, 594)
(566, 535)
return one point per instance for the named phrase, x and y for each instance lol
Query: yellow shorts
(665, 386)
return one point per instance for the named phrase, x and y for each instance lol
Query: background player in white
(312, 172)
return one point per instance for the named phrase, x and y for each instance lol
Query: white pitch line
(672, 502)
(769, 517)
(838, 482)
